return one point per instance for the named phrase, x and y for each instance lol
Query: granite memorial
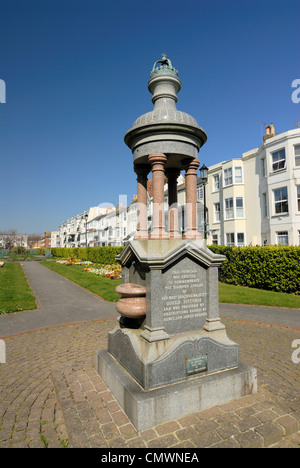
(169, 354)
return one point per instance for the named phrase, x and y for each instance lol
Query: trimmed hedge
(105, 255)
(274, 268)
(39, 251)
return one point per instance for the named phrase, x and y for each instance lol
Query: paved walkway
(51, 396)
(59, 302)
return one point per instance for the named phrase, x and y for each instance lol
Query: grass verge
(231, 294)
(15, 293)
(105, 288)
(99, 285)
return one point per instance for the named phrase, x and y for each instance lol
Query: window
(263, 167)
(230, 239)
(229, 208)
(239, 205)
(297, 155)
(215, 238)
(217, 212)
(281, 200)
(227, 177)
(298, 196)
(240, 239)
(283, 238)
(199, 192)
(216, 183)
(278, 160)
(264, 205)
(238, 175)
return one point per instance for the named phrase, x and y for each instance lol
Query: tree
(33, 239)
(10, 239)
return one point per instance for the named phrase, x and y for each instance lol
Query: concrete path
(60, 302)
(273, 315)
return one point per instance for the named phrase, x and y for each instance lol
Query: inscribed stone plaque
(184, 297)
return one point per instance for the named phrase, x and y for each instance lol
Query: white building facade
(13, 239)
(278, 164)
(252, 200)
(255, 200)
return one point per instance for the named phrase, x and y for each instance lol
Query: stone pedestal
(178, 355)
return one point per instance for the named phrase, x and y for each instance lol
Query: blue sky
(76, 74)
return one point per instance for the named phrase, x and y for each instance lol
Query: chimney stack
(270, 132)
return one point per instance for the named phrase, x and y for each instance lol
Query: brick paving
(51, 396)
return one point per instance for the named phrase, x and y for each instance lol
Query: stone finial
(166, 66)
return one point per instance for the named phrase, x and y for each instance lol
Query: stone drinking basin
(133, 300)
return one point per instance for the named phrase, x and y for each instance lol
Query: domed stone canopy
(165, 129)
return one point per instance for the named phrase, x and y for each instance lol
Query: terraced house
(252, 200)
(255, 200)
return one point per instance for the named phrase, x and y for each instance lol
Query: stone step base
(94, 418)
(149, 408)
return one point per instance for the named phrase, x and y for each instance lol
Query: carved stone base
(163, 362)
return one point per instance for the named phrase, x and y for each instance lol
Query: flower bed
(65, 261)
(108, 271)
(113, 271)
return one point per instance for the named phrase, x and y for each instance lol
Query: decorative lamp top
(165, 67)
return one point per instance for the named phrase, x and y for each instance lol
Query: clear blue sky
(76, 74)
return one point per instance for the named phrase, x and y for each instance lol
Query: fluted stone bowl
(133, 300)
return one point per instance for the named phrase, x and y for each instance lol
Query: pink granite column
(172, 175)
(158, 161)
(142, 171)
(191, 199)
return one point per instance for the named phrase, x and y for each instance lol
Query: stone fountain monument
(169, 354)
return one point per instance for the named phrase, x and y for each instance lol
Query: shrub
(105, 255)
(274, 268)
(18, 250)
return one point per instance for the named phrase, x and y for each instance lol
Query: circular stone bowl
(133, 301)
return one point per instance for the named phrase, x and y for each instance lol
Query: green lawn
(240, 295)
(105, 288)
(101, 286)
(15, 293)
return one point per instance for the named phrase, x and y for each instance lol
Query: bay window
(229, 208)
(297, 155)
(238, 175)
(240, 239)
(281, 200)
(278, 160)
(227, 177)
(239, 206)
(282, 238)
(230, 239)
